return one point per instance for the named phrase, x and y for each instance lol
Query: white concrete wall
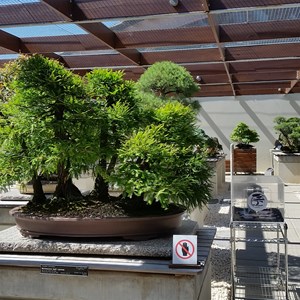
(219, 115)
(27, 283)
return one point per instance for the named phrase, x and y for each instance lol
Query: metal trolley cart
(259, 259)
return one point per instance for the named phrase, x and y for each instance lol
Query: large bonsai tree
(56, 122)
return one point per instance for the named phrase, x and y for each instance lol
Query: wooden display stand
(244, 160)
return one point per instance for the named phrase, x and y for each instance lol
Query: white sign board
(184, 249)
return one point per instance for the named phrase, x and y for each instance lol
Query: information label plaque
(64, 270)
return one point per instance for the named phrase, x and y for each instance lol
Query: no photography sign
(185, 249)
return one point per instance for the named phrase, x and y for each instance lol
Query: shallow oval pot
(125, 227)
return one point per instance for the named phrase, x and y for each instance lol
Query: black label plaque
(64, 270)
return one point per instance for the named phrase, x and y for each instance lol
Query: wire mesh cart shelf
(259, 267)
(258, 236)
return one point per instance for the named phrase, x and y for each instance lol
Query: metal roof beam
(215, 31)
(293, 83)
(10, 42)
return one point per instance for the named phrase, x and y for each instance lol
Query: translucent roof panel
(8, 56)
(178, 48)
(44, 30)
(162, 23)
(263, 42)
(16, 2)
(258, 15)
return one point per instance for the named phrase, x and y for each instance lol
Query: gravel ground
(219, 216)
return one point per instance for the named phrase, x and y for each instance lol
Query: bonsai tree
(169, 80)
(56, 122)
(289, 133)
(44, 127)
(244, 136)
(159, 162)
(116, 105)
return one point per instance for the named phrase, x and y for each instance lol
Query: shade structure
(231, 47)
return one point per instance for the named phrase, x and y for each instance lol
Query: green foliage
(45, 121)
(53, 121)
(168, 79)
(159, 162)
(289, 132)
(243, 135)
(116, 104)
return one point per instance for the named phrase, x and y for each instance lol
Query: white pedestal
(287, 166)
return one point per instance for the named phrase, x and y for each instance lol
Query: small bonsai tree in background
(169, 80)
(289, 133)
(244, 136)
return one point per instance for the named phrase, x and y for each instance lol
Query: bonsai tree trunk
(101, 186)
(65, 187)
(38, 193)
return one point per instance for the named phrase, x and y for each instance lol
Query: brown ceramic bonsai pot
(125, 227)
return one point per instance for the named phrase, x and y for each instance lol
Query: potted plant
(54, 121)
(286, 156)
(244, 154)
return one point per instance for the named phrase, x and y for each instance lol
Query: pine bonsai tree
(244, 136)
(168, 80)
(289, 133)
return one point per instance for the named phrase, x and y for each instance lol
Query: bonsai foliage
(159, 162)
(55, 122)
(116, 106)
(44, 126)
(289, 133)
(167, 79)
(243, 135)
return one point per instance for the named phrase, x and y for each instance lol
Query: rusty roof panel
(107, 9)
(182, 56)
(259, 31)
(265, 66)
(30, 13)
(261, 91)
(206, 69)
(185, 36)
(215, 88)
(261, 86)
(264, 76)
(211, 79)
(264, 51)
(96, 61)
(62, 44)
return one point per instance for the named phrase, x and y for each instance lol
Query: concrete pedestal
(218, 178)
(286, 166)
(98, 269)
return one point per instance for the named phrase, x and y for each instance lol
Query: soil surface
(91, 207)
